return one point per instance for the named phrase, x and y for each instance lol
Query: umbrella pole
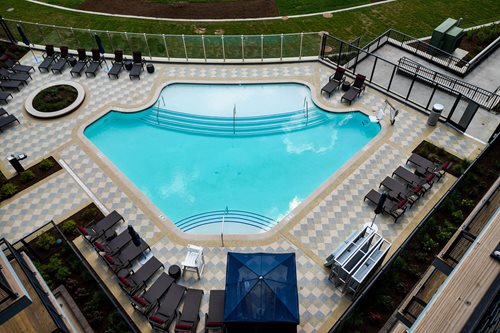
(36, 59)
(107, 67)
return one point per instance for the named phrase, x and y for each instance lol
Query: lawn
(414, 17)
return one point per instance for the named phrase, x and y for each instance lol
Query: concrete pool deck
(322, 223)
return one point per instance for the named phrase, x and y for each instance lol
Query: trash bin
(434, 115)
(150, 68)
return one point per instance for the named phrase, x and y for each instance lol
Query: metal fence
(193, 48)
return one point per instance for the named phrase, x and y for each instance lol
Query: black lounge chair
(5, 74)
(356, 89)
(17, 67)
(334, 81)
(94, 64)
(3, 112)
(126, 256)
(391, 207)
(81, 63)
(214, 319)
(425, 167)
(137, 66)
(189, 317)
(167, 310)
(135, 281)
(413, 179)
(4, 96)
(60, 64)
(114, 245)
(9, 84)
(150, 298)
(99, 229)
(117, 64)
(7, 121)
(48, 58)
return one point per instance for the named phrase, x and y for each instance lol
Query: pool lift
(234, 122)
(306, 110)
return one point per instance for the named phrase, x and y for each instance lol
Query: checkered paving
(31, 209)
(341, 211)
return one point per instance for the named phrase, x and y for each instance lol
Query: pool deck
(312, 231)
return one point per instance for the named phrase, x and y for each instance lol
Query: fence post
(242, 49)
(261, 48)
(223, 49)
(185, 49)
(58, 34)
(128, 42)
(110, 41)
(9, 34)
(392, 76)
(41, 33)
(432, 96)
(166, 48)
(74, 36)
(373, 69)
(281, 48)
(300, 48)
(204, 50)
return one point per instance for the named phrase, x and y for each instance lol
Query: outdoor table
(175, 272)
(128, 65)
(150, 68)
(72, 61)
(346, 85)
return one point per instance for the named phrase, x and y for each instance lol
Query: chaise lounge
(13, 76)
(425, 166)
(9, 84)
(135, 281)
(62, 61)
(94, 64)
(214, 319)
(114, 245)
(49, 57)
(395, 208)
(81, 64)
(99, 229)
(167, 310)
(126, 256)
(17, 67)
(138, 65)
(7, 121)
(149, 299)
(117, 64)
(334, 81)
(190, 315)
(355, 90)
(4, 96)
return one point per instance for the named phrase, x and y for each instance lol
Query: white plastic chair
(194, 260)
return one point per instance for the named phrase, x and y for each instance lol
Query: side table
(346, 86)
(150, 68)
(128, 64)
(175, 272)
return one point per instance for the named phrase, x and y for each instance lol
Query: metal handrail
(233, 216)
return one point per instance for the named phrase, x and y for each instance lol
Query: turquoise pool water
(257, 166)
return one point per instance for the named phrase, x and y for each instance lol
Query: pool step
(222, 126)
(230, 216)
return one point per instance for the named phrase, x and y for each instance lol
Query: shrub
(45, 241)
(8, 190)
(55, 268)
(27, 176)
(458, 216)
(68, 227)
(429, 244)
(385, 301)
(46, 164)
(89, 213)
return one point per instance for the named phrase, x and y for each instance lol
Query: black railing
(6, 292)
(385, 268)
(39, 289)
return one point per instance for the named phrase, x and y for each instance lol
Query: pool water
(245, 168)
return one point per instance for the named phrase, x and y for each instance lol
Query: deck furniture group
(151, 290)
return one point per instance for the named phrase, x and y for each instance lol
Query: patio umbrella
(101, 48)
(261, 290)
(380, 207)
(134, 236)
(26, 40)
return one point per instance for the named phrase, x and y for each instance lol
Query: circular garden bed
(57, 99)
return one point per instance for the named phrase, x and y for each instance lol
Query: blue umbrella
(25, 39)
(100, 47)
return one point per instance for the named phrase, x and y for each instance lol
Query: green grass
(65, 3)
(414, 17)
(295, 7)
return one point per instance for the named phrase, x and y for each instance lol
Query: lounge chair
(413, 179)
(81, 63)
(99, 229)
(117, 64)
(60, 64)
(48, 58)
(94, 64)
(167, 310)
(397, 191)
(391, 207)
(13, 76)
(3, 112)
(126, 256)
(189, 317)
(426, 167)
(11, 85)
(150, 298)
(4, 96)
(7, 121)
(17, 67)
(135, 281)
(214, 319)
(114, 245)
(334, 81)
(356, 89)
(137, 66)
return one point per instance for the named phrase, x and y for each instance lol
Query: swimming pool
(200, 165)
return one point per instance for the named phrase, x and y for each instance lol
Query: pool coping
(163, 222)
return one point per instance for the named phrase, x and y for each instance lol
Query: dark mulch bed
(55, 98)
(39, 172)
(221, 10)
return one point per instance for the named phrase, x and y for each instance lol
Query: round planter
(72, 107)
